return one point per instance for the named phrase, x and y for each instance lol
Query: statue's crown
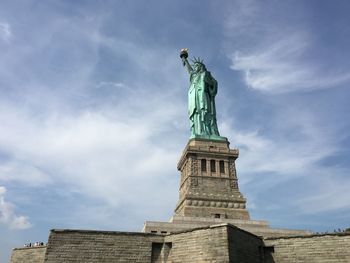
(197, 60)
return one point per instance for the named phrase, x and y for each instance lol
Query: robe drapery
(201, 104)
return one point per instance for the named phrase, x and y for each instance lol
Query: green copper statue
(201, 100)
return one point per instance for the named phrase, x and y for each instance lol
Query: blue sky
(93, 110)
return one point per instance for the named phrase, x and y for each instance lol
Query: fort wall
(99, 246)
(216, 243)
(28, 255)
(325, 248)
(209, 244)
(244, 247)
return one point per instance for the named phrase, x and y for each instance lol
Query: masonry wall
(201, 245)
(244, 247)
(28, 255)
(219, 243)
(99, 246)
(327, 248)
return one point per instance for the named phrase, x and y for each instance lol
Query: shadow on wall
(245, 247)
(267, 252)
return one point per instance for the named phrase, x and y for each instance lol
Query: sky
(93, 110)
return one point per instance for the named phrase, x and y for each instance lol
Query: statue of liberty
(201, 100)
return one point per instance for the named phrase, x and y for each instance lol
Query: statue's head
(198, 65)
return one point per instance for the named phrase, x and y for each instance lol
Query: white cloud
(5, 32)
(242, 16)
(103, 84)
(22, 172)
(276, 158)
(293, 144)
(109, 151)
(8, 216)
(279, 67)
(283, 157)
(101, 153)
(275, 56)
(331, 192)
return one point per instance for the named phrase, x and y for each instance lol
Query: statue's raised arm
(201, 99)
(184, 56)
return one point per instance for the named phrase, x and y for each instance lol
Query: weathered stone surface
(201, 245)
(325, 248)
(257, 227)
(211, 196)
(209, 186)
(28, 255)
(216, 243)
(243, 246)
(99, 246)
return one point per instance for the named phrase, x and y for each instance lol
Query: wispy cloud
(100, 135)
(97, 153)
(329, 193)
(104, 84)
(280, 67)
(275, 158)
(8, 216)
(286, 158)
(275, 56)
(242, 17)
(5, 31)
(293, 143)
(22, 172)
